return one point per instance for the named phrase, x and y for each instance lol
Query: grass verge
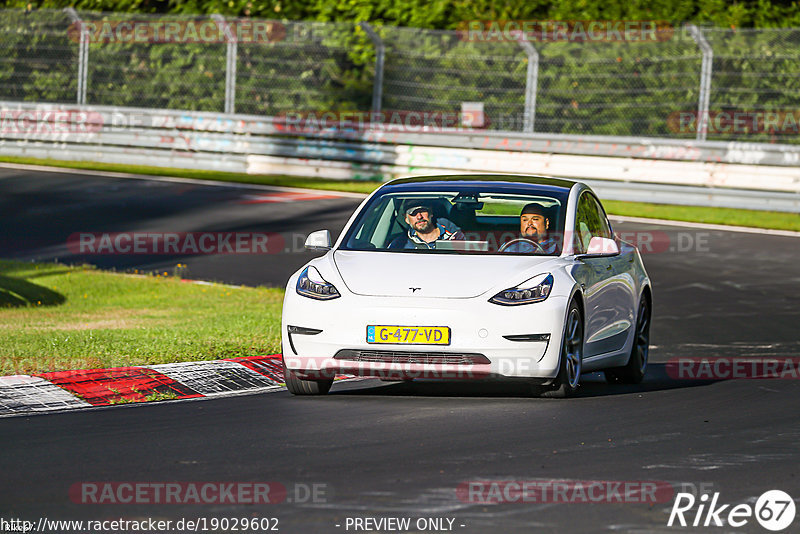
(726, 216)
(775, 220)
(54, 317)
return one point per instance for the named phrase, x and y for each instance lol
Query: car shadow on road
(592, 385)
(17, 292)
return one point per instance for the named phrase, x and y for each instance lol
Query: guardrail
(756, 176)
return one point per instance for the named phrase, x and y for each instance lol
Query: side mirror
(319, 240)
(602, 246)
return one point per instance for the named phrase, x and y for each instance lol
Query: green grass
(755, 219)
(54, 317)
(735, 217)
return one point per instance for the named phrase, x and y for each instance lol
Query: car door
(606, 291)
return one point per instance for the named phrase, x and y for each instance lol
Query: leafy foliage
(446, 14)
(327, 62)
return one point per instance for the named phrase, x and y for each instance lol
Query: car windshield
(463, 220)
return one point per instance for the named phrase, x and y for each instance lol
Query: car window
(480, 221)
(590, 221)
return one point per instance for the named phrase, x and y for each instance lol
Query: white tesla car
(470, 277)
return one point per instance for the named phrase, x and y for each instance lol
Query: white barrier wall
(263, 145)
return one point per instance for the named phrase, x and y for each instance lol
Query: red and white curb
(68, 390)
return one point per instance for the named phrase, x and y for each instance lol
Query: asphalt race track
(40, 212)
(378, 449)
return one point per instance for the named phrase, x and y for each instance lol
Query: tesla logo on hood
(414, 289)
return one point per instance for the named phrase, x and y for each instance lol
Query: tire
(302, 386)
(571, 359)
(634, 371)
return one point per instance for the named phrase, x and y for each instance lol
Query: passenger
(534, 228)
(424, 230)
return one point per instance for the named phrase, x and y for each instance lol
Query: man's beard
(426, 228)
(534, 236)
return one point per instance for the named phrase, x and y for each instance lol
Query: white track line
(175, 179)
(706, 226)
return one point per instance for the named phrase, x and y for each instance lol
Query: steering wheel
(518, 240)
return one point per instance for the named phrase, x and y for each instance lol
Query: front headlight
(311, 284)
(535, 289)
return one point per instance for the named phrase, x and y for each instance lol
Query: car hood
(393, 274)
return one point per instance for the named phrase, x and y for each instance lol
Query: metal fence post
(230, 64)
(531, 86)
(83, 54)
(705, 80)
(380, 53)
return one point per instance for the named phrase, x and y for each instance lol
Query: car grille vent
(427, 358)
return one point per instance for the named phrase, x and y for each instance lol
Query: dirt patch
(116, 319)
(113, 324)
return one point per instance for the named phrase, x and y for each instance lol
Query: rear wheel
(634, 371)
(303, 386)
(569, 371)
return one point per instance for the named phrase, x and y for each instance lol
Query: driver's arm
(454, 231)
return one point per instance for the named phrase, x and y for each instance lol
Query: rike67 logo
(774, 510)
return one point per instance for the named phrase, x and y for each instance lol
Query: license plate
(409, 335)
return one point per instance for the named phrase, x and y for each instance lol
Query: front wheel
(633, 372)
(302, 386)
(569, 370)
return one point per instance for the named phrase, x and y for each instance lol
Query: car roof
(478, 179)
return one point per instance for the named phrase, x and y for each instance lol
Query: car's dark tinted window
(474, 219)
(590, 221)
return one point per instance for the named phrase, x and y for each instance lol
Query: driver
(424, 231)
(533, 228)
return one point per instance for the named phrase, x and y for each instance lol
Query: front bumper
(477, 327)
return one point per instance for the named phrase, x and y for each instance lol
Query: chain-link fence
(436, 71)
(613, 88)
(305, 67)
(38, 60)
(150, 72)
(703, 83)
(755, 72)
